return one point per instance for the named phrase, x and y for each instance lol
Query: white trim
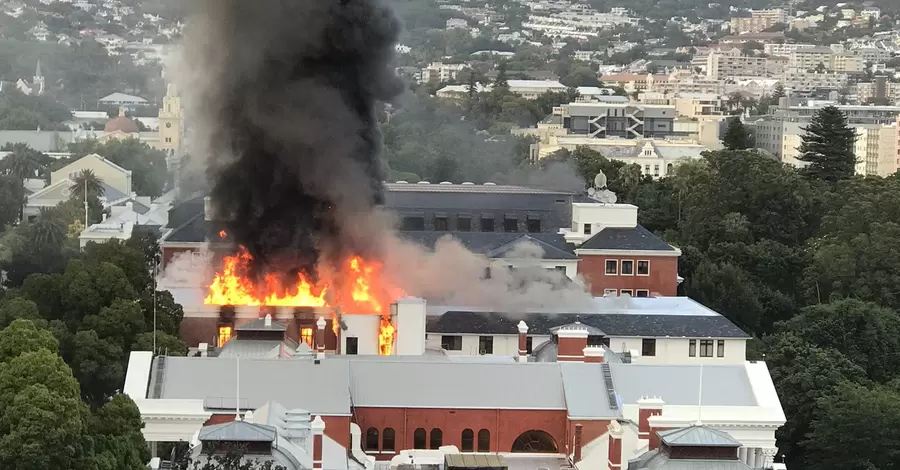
(167, 244)
(630, 292)
(635, 253)
(606, 271)
(638, 291)
(622, 267)
(638, 263)
(610, 291)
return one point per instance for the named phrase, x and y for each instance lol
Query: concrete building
(441, 72)
(731, 63)
(876, 149)
(758, 21)
(117, 100)
(625, 120)
(799, 82)
(687, 105)
(811, 58)
(784, 49)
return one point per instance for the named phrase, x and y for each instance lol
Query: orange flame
(359, 290)
(222, 234)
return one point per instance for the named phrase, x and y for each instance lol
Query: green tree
(48, 230)
(99, 365)
(21, 336)
(828, 146)
(166, 344)
(12, 200)
(116, 429)
(120, 323)
(500, 83)
(86, 182)
(737, 137)
(23, 162)
(148, 165)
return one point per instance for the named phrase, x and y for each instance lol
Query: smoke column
(287, 112)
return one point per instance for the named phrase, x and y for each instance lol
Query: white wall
(675, 351)
(410, 324)
(364, 327)
(504, 345)
(608, 215)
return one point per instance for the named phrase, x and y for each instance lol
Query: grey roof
(497, 244)
(658, 460)
(577, 325)
(549, 251)
(697, 436)
(111, 193)
(260, 325)
(467, 188)
(723, 385)
(637, 238)
(211, 377)
(194, 230)
(42, 141)
(237, 431)
(585, 391)
(533, 386)
(255, 349)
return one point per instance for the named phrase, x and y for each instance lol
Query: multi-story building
(784, 49)
(731, 63)
(687, 105)
(869, 91)
(626, 120)
(655, 157)
(876, 149)
(875, 55)
(441, 72)
(798, 81)
(758, 21)
(847, 62)
(810, 59)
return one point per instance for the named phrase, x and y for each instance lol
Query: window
(451, 343)
(720, 348)
(437, 439)
(643, 268)
(484, 441)
(587, 229)
(168, 125)
(464, 223)
(352, 346)
(468, 440)
(440, 224)
(642, 293)
(612, 267)
(610, 292)
(487, 224)
(306, 335)
(648, 347)
(692, 348)
(655, 170)
(626, 292)
(706, 348)
(224, 335)
(387, 440)
(627, 267)
(533, 224)
(414, 223)
(510, 224)
(419, 439)
(485, 345)
(528, 344)
(371, 440)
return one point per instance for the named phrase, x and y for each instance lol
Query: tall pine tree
(737, 137)
(827, 146)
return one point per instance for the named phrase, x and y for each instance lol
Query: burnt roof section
(260, 325)
(497, 244)
(423, 187)
(637, 238)
(191, 231)
(624, 324)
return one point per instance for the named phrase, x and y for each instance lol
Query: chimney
(654, 433)
(594, 354)
(572, 341)
(409, 321)
(615, 446)
(577, 457)
(207, 209)
(318, 428)
(523, 341)
(204, 349)
(320, 339)
(647, 407)
(268, 320)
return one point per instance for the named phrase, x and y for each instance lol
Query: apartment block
(784, 49)
(732, 63)
(441, 72)
(876, 149)
(809, 59)
(812, 81)
(623, 120)
(758, 21)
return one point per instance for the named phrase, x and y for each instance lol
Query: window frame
(612, 292)
(468, 225)
(692, 348)
(510, 224)
(637, 267)
(637, 293)
(485, 345)
(622, 267)
(606, 267)
(482, 221)
(529, 344)
(586, 228)
(529, 224)
(372, 435)
(435, 439)
(720, 348)
(355, 346)
(417, 436)
(629, 292)
(652, 347)
(483, 437)
(311, 335)
(454, 338)
(384, 441)
(443, 222)
(707, 348)
(464, 439)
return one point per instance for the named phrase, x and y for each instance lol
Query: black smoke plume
(289, 115)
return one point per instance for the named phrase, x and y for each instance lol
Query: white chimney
(523, 341)
(204, 349)
(268, 320)
(410, 323)
(320, 339)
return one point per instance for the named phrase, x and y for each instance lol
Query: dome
(120, 123)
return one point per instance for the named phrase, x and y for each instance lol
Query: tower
(38, 80)
(170, 126)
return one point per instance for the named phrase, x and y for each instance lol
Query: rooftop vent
(423, 182)
(469, 183)
(445, 182)
(402, 182)
(490, 184)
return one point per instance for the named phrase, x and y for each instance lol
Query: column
(769, 456)
(742, 454)
(755, 458)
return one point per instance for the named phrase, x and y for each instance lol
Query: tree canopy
(828, 146)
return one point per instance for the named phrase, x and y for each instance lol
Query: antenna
(700, 398)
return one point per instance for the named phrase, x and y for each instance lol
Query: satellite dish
(591, 191)
(600, 181)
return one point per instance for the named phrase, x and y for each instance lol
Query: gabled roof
(497, 244)
(637, 238)
(697, 436)
(238, 431)
(591, 330)
(260, 325)
(118, 97)
(586, 391)
(507, 250)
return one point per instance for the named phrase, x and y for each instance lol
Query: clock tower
(171, 126)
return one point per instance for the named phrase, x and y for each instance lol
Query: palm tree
(86, 180)
(48, 229)
(22, 162)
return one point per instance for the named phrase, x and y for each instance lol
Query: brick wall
(663, 278)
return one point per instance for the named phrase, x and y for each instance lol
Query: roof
(626, 238)
(591, 330)
(121, 123)
(122, 97)
(192, 231)
(723, 385)
(259, 324)
(237, 431)
(475, 461)
(585, 390)
(680, 151)
(42, 141)
(211, 377)
(658, 460)
(497, 244)
(246, 349)
(467, 188)
(536, 84)
(470, 385)
(697, 436)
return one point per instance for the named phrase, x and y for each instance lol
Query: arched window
(371, 439)
(387, 440)
(669, 168)
(535, 441)
(468, 440)
(484, 441)
(437, 439)
(419, 439)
